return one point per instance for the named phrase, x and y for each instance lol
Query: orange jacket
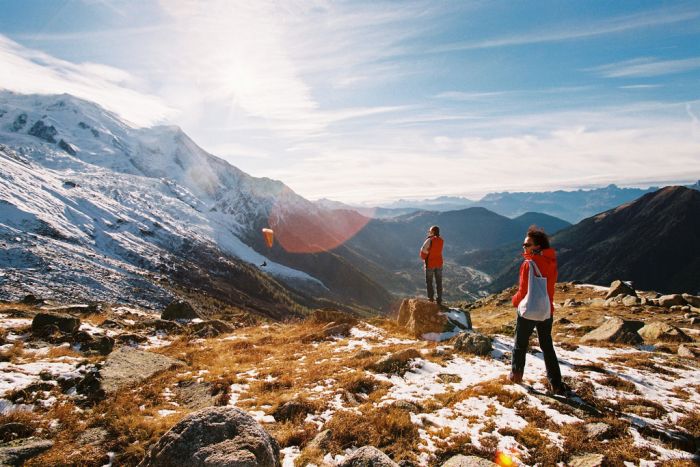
(547, 264)
(431, 252)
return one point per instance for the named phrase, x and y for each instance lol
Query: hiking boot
(515, 377)
(561, 389)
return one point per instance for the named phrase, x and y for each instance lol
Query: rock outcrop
(127, 366)
(422, 317)
(65, 323)
(395, 362)
(368, 456)
(215, 436)
(616, 330)
(620, 288)
(180, 310)
(656, 331)
(473, 343)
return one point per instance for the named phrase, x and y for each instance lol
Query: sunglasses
(527, 245)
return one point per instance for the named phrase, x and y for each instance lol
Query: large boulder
(668, 301)
(657, 331)
(395, 362)
(65, 323)
(180, 310)
(16, 452)
(215, 436)
(692, 300)
(127, 366)
(368, 456)
(422, 317)
(619, 288)
(468, 461)
(616, 330)
(473, 343)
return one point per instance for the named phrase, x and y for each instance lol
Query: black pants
(523, 330)
(429, 274)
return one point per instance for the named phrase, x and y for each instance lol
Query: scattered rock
(449, 378)
(422, 317)
(329, 315)
(320, 441)
(83, 308)
(127, 366)
(570, 302)
(293, 409)
(600, 302)
(113, 324)
(31, 299)
(221, 436)
(619, 288)
(368, 456)
(43, 131)
(93, 436)
(688, 351)
(131, 338)
(15, 430)
(329, 330)
(362, 354)
(562, 321)
(692, 300)
(473, 343)
(211, 328)
(407, 406)
(69, 148)
(164, 325)
(194, 395)
(65, 323)
(16, 452)
(396, 362)
(616, 330)
(668, 301)
(587, 460)
(658, 331)
(631, 300)
(694, 321)
(468, 461)
(180, 310)
(597, 430)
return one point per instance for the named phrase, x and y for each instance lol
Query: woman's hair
(435, 230)
(538, 236)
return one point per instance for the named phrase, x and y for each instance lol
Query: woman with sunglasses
(536, 248)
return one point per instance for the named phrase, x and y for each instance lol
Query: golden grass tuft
(620, 384)
(691, 423)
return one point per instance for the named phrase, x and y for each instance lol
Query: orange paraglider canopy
(269, 236)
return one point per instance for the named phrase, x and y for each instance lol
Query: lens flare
(505, 459)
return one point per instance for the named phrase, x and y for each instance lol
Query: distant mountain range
(653, 241)
(571, 206)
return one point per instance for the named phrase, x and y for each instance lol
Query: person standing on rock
(431, 254)
(536, 250)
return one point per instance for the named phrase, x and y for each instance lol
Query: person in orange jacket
(431, 254)
(536, 248)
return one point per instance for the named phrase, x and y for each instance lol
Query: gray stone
(694, 321)
(292, 410)
(692, 300)
(631, 300)
(364, 353)
(619, 288)
(215, 436)
(468, 461)
(423, 317)
(368, 456)
(671, 300)
(473, 343)
(657, 331)
(597, 430)
(599, 302)
(407, 406)
(131, 338)
(571, 302)
(616, 330)
(127, 366)
(328, 331)
(15, 430)
(43, 131)
(93, 436)
(65, 323)
(689, 351)
(395, 362)
(328, 315)
(586, 460)
(69, 148)
(449, 378)
(180, 310)
(194, 395)
(320, 441)
(211, 328)
(16, 452)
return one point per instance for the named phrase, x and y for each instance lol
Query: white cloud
(30, 71)
(614, 25)
(646, 67)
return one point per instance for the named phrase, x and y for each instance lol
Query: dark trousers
(523, 330)
(429, 274)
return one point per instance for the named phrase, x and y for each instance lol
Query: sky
(368, 101)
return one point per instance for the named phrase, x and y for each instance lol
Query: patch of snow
(289, 454)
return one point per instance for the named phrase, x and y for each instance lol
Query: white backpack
(535, 305)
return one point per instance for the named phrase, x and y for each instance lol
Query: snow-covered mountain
(91, 203)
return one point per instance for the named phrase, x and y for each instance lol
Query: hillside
(320, 389)
(141, 202)
(653, 241)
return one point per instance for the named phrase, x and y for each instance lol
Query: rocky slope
(105, 385)
(122, 206)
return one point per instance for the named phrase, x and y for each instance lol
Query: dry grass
(14, 354)
(387, 428)
(495, 388)
(620, 384)
(540, 448)
(691, 423)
